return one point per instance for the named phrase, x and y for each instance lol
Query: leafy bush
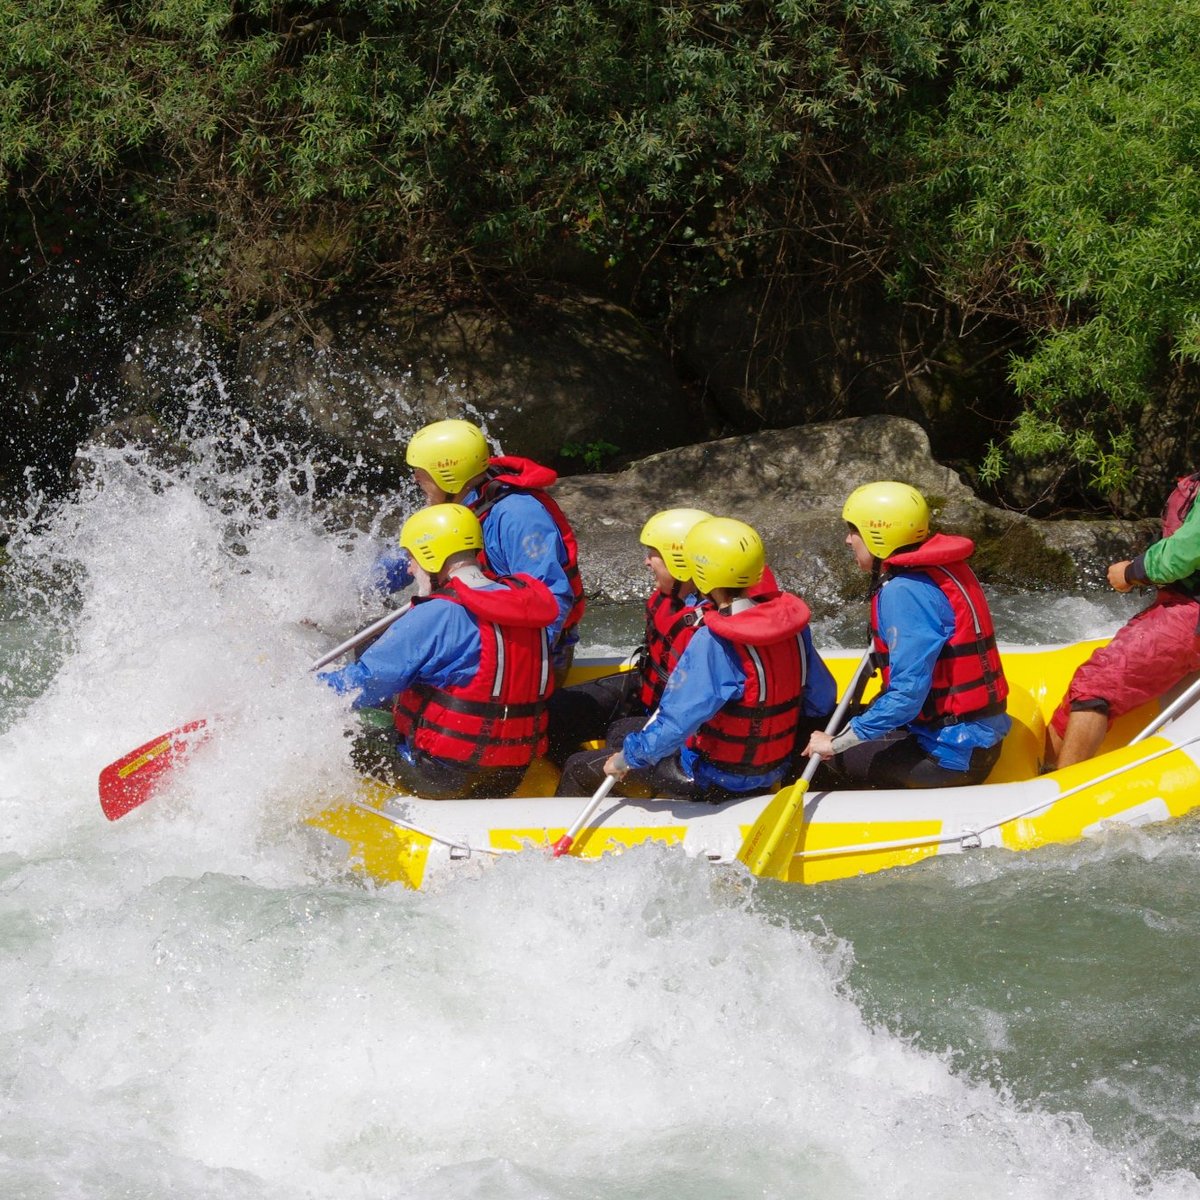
(284, 147)
(1058, 187)
(593, 454)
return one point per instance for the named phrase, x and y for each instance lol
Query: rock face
(168, 368)
(809, 351)
(790, 484)
(56, 364)
(352, 381)
(578, 375)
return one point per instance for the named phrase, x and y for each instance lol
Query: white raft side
(845, 833)
(460, 831)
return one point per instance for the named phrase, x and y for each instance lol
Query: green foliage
(993, 466)
(594, 454)
(1028, 160)
(1057, 186)
(412, 138)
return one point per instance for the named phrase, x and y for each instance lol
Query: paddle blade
(771, 842)
(134, 779)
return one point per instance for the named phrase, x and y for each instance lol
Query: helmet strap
(876, 584)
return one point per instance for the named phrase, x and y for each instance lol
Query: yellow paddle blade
(771, 842)
(770, 845)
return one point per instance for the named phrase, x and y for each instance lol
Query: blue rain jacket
(707, 676)
(434, 643)
(519, 538)
(916, 621)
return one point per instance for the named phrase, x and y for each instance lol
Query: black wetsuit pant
(584, 712)
(898, 761)
(376, 753)
(440, 779)
(584, 772)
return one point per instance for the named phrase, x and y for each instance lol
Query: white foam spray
(194, 1002)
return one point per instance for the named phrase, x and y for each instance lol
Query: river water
(199, 1001)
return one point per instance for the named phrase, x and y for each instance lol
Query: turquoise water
(198, 1000)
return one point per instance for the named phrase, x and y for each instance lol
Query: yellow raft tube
(1149, 770)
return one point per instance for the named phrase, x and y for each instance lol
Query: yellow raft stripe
(837, 849)
(1077, 808)
(143, 759)
(387, 852)
(1152, 773)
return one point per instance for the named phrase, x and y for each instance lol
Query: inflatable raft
(1148, 770)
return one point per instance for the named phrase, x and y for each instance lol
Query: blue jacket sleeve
(520, 536)
(916, 621)
(820, 692)
(436, 643)
(706, 677)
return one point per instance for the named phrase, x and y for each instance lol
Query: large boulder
(569, 379)
(790, 484)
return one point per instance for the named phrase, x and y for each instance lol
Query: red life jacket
(968, 679)
(670, 623)
(499, 718)
(757, 734)
(669, 627)
(1179, 503)
(509, 473)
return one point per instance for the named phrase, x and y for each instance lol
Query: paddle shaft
(363, 635)
(775, 838)
(564, 843)
(135, 777)
(1180, 702)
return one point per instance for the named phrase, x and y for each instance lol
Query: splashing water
(197, 1002)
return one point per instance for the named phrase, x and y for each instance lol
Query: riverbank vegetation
(1029, 164)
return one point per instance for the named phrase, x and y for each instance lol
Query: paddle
(771, 843)
(371, 632)
(134, 778)
(564, 843)
(1180, 702)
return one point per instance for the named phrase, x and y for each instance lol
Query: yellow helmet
(665, 532)
(723, 553)
(453, 452)
(431, 535)
(887, 515)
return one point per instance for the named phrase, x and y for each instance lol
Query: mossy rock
(1020, 556)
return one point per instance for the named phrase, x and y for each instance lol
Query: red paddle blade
(134, 779)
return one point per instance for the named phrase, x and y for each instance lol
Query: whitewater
(202, 999)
